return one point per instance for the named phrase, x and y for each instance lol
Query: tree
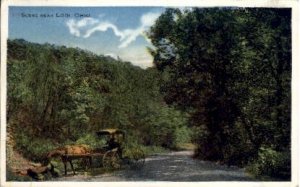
(224, 66)
(67, 94)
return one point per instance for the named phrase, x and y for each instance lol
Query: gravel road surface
(174, 166)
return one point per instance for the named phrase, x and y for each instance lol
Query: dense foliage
(222, 77)
(230, 69)
(59, 95)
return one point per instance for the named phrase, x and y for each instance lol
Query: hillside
(221, 80)
(59, 95)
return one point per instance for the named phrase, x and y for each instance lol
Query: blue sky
(115, 31)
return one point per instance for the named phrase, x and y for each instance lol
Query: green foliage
(132, 144)
(230, 70)
(151, 150)
(163, 125)
(182, 136)
(59, 96)
(272, 163)
(222, 76)
(32, 148)
(91, 140)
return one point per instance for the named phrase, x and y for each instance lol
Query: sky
(114, 31)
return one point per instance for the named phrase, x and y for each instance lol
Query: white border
(294, 4)
(189, 3)
(4, 34)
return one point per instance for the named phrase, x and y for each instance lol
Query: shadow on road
(174, 166)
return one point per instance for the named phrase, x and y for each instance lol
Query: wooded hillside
(222, 79)
(59, 95)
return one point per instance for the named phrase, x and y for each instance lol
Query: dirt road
(174, 166)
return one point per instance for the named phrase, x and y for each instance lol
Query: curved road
(174, 166)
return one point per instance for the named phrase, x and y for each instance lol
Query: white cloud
(131, 36)
(74, 27)
(113, 55)
(86, 21)
(149, 18)
(88, 26)
(104, 26)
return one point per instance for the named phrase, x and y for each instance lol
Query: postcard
(124, 93)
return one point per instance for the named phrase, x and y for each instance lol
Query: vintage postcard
(150, 93)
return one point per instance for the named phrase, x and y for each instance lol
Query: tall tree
(228, 69)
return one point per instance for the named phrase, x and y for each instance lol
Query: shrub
(164, 126)
(133, 144)
(92, 140)
(272, 163)
(33, 148)
(151, 150)
(182, 136)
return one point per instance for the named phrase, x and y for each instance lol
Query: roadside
(172, 166)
